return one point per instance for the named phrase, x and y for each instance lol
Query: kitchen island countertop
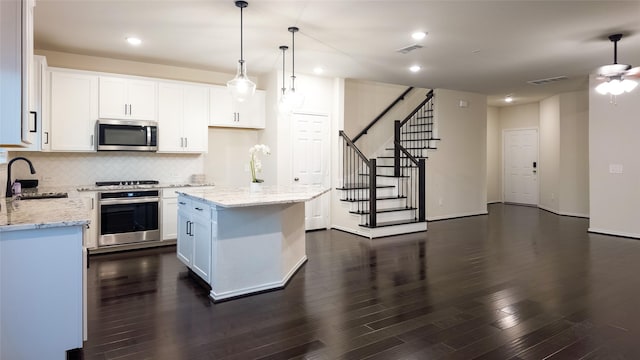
(229, 196)
(43, 213)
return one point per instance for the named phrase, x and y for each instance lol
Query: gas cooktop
(127, 182)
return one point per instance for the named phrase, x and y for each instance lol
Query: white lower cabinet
(91, 231)
(194, 236)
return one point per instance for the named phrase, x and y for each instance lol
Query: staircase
(385, 195)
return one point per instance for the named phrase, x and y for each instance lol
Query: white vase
(255, 187)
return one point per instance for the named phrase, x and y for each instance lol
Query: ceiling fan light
(629, 85)
(615, 87)
(603, 88)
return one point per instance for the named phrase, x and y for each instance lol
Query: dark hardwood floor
(520, 283)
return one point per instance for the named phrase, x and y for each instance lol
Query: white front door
(310, 159)
(521, 166)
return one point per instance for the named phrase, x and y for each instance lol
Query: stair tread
(378, 198)
(418, 139)
(425, 124)
(392, 166)
(363, 186)
(401, 157)
(387, 176)
(380, 211)
(417, 132)
(392, 223)
(417, 148)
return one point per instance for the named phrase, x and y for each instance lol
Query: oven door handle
(123, 201)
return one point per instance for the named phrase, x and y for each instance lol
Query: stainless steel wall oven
(128, 216)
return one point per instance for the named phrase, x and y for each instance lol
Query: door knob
(296, 179)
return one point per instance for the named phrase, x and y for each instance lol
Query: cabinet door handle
(181, 142)
(186, 142)
(35, 122)
(182, 203)
(91, 140)
(188, 232)
(125, 109)
(46, 134)
(199, 209)
(130, 111)
(91, 203)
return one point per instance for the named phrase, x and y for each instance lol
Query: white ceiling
(488, 47)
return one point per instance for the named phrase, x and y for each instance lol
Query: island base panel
(256, 248)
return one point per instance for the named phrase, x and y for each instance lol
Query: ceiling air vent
(547, 80)
(410, 48)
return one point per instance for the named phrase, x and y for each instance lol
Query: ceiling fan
(617, 77)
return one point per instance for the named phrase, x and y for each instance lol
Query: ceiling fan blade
(612, 70)
(633, 73)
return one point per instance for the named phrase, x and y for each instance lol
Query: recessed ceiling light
(318, 70)
(415, 68)
(508, 99)
(418, 35)
(134, 41)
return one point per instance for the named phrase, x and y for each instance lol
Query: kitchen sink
(50, 195)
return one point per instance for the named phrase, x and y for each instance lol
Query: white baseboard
(563, 213)
(453, 216)
(494, 201)
(614, 233)
(258, 288)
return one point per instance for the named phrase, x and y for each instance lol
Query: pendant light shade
(241, 87)
(290, 99)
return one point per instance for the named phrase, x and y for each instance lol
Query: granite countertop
(228, 196)
(44, 213)
(93, 187)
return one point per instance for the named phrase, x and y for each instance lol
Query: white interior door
(310, 158)
(520, 166)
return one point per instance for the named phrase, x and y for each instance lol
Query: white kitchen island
(42, 275)
(243, 242)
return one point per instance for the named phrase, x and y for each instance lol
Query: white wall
(614, 198)
(227, 161)
(63, 169)
(524, 116)
(549, 152)
(574, 153)
(366, 101)
(457, 171)
(95, 63)
(494, 155)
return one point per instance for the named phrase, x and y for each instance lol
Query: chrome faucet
(31, 168)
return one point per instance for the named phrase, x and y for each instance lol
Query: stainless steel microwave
(127, 135)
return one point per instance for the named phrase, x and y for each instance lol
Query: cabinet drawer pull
(46, 134)
(199, 209)
(182, 203)
(35, 122)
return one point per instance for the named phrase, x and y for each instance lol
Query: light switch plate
(616, 168)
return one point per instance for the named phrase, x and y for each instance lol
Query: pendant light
(283, 106)
(292, 100)
(241, 87)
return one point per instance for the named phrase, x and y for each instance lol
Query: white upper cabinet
(36, 104)
(183, 114)
(16, 55)
(126, 98)
(228, 113)
(73, 110)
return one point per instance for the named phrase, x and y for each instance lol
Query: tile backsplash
(86, 168)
